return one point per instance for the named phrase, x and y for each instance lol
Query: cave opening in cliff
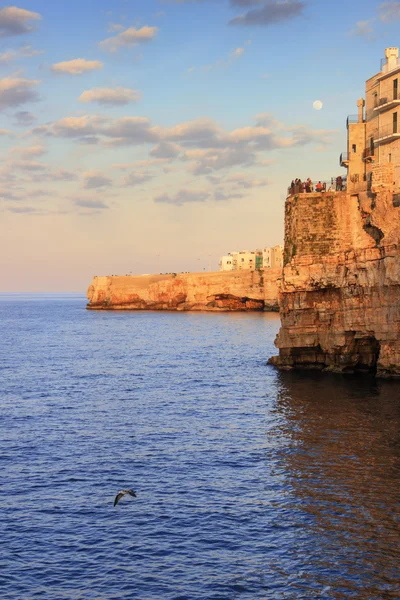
(367, 349)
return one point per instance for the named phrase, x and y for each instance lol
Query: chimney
(391, 55)
(361, 104)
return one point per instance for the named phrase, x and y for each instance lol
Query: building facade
(252, 260)
(373, 135)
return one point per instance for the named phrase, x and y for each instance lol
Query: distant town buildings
(253, 260)
(373, 136)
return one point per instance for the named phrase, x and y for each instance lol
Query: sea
(250, 483)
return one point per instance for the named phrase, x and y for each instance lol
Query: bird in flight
(122, 493)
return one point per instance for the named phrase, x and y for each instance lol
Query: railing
(368, 153)
(385, 65)
(326, 186)
(385, 100)
(344, 157)
(351, 119)
(387, 131)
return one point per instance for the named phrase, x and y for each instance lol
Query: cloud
(28, 165)
(28, 51)
(71, 127)
(78, 66)
(14, 21)
(243, 181)
(110, 97)
(7, 57)
(363, 29)
(136, 178)
(30, 152)
(238, 52)
(25, 52)
(183, 196)
(201, 142)
(389, 11)
(5, 132)
(93, 204)
(274, 11)
(16, 91)
(22, 209)
(62, 175)
(222, 63)
(24, 118)
(166, 150)
(94, 179)
(129, 38)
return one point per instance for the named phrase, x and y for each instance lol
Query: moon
(317, 105)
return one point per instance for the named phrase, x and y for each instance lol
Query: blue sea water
(251, 484)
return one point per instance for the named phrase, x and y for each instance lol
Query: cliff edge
(340, 290)
(220, 291)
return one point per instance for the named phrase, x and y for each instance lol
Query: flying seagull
(122, 493)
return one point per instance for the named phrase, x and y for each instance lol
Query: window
(354, 148)
(395, 122)
(375, 99)
(395, 89)
(371, 146)
(390, 158)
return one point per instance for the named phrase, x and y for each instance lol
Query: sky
(149, 136)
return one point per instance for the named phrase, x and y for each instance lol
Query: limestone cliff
(340, 290)
(221, 291)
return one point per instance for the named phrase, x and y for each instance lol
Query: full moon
(317, 105)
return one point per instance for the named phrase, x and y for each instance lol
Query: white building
(252, 260)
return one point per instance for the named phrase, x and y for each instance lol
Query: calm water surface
(250, 483)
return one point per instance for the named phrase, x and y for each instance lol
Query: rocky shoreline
(236, 291)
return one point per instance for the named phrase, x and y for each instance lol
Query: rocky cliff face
(222, 291)
(340, 291)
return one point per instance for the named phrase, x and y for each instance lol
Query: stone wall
(221, 291)
(340, 292)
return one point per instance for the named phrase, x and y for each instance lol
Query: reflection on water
(343, 472)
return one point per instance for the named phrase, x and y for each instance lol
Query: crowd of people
(306, 187)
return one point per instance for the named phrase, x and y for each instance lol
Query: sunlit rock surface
(340, 290)
(220, 291)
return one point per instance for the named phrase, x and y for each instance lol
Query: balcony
(387, 134)
(344, 159)
(351, 119)
(386, 103)
(368, 155)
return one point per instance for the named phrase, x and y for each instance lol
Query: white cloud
(24, 118)
(118, 96)
(389, 11)
(30, 152)
(129, 38)
(238, 52)
(166, 150)
(183, 196)
(17, 90)
(7, 57)
(363, 29)
(76, 66)
(92, 204)
(137, 178)
(94, 179)
(14, 21)
(29, 51)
